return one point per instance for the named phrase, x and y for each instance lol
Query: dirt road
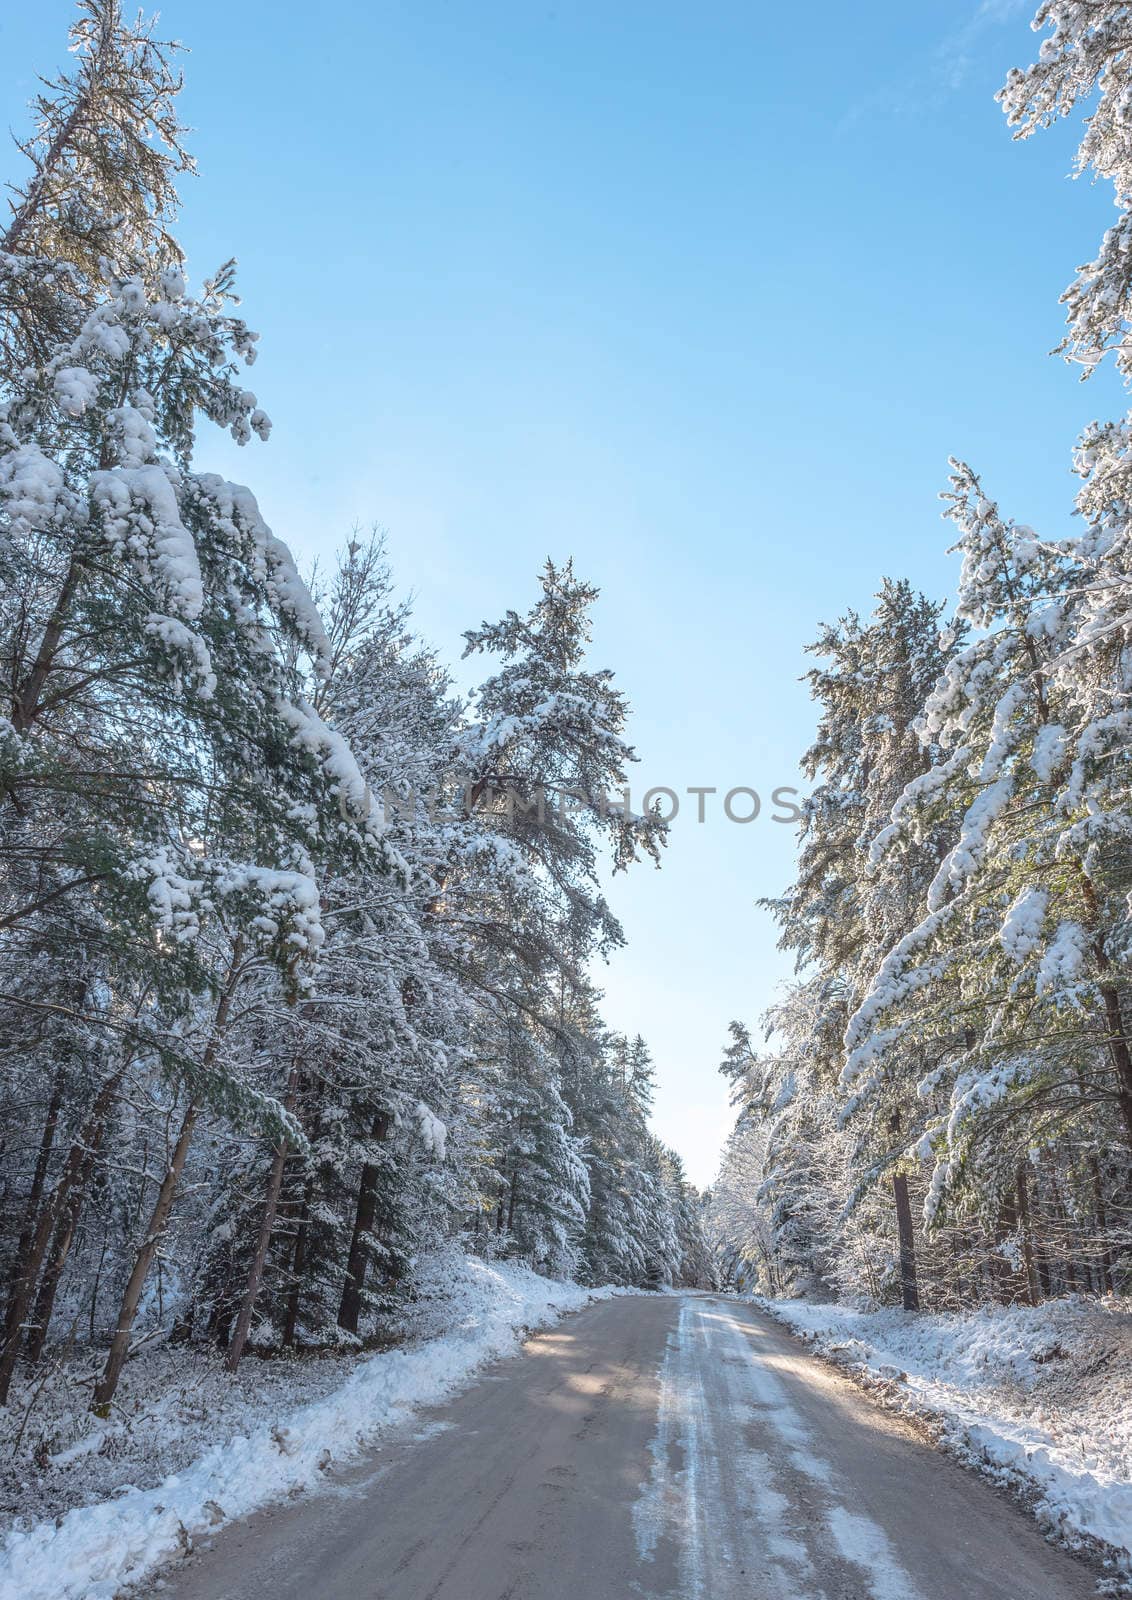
(662, 1448)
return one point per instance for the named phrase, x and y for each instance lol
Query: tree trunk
(39, 1178)
(263, 1242)
(259, 1259)
(120, 1344)
(1042, 1263)
(49, 1213)
(909, 1288)
(350, 1308)
(219, 1326)
(1003, 1272)
(1028, 1268)
(24, 1285)
(60, 1247)
(1067, 1236)
(958, 1261)
(1107, 1259)
(26, 700)
(21, 1260)
(95, 1288)
(1119, 1052)
(298, 1262)
(56, 1261)
(27, 210)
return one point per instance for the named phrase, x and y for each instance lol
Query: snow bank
(1039, 1398)
(94, 1549)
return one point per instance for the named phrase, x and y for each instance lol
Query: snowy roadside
(1038, 1398)
(269, 1440)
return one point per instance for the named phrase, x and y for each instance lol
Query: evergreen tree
(295, 966)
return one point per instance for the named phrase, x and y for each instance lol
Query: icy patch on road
(811, 1466)
(862, 1542)
(773, 1509)
(697, 1497)
(92, 1551)
(734, 1530)
(669, 1503)
(775, 1409)
(858, 1539)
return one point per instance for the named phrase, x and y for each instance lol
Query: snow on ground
(1039, 1398)
(101, 1504)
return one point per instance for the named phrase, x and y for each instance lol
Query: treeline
(944, 1112)
(263, 1043)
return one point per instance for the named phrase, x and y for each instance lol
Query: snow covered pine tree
(264, 1044)
(967, 923)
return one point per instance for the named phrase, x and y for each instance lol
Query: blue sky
(702, 296)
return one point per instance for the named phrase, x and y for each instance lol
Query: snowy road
(662, 1448)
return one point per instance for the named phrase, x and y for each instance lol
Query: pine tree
(104, 157)
(166, 785)
(840, 917)
(1013, 937)
(295, 984)
(1087, 52)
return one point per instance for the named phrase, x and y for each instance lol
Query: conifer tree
(295, 971)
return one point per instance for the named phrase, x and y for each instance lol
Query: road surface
(651, 1448)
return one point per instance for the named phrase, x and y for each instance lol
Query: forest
(938, 1112)
(296, 977)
